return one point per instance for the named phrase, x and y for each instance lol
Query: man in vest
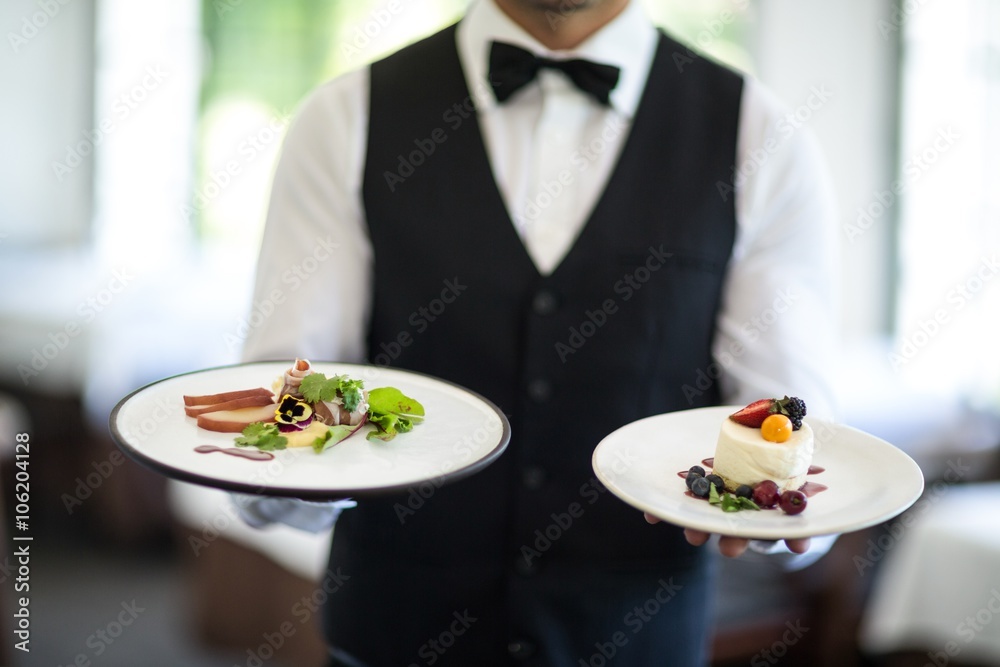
(623, 228)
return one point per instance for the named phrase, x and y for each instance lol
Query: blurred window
(949, 201)
(263, 57)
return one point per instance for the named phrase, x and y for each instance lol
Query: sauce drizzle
(809, 488)
(252, 454)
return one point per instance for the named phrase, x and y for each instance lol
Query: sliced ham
(333, 413)
(293, 377)
(326, 412)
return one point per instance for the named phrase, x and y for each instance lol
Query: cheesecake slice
(744, 456)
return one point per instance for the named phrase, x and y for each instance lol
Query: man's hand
(729, 546)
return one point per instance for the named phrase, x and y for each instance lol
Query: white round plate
(461, 434)
(869, 481)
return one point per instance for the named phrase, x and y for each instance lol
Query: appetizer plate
(868, 480)
(461, 434)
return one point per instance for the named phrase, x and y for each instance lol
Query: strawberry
(754, 414)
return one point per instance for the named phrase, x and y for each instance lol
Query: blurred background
(140, 140)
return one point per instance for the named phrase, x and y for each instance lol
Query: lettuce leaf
(392, 412)
(335, 435)
(389, 409)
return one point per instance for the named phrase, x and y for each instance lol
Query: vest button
(521, 649)
(539, 391)
(533, 477)
(545, 303)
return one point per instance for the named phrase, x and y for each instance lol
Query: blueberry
(720, 486)
(689, 480)
(744, 491)
(700, 487)
(696, 470)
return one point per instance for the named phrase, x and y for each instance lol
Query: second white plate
(869, 481)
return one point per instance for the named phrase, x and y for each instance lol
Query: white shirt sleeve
(777, 327)
(314, 275)
(777, 553)
(310, 516)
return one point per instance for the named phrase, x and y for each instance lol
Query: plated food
(304, 408)
(461, 434)
(639, 463)
(762, 456)
(767, 440)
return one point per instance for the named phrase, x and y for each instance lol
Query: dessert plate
(869, 481)
(461, 434)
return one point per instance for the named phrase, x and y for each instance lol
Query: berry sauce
(810, 489)
(252, 454)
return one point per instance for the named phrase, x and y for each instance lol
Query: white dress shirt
(775, 330)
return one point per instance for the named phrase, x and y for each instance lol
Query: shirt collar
(627, 42)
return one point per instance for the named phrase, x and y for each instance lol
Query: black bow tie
(512, 67)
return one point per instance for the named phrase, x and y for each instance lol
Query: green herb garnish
(264, 437)
(713, 495)
(317, 387)
(729, 502)
(389, 409)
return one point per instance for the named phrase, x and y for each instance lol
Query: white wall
(46, 66)
(844, 47)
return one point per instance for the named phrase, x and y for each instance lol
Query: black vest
(533, 548)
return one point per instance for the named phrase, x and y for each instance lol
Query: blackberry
(793, 408)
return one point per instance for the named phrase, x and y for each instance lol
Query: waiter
(623, 228)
